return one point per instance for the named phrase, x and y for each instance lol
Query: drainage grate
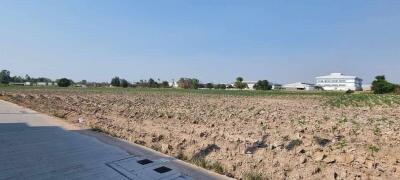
(162, 169)
(135, 168)
(144, 161)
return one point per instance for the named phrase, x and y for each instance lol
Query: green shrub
(215, 166)
(165, 84)
(373, 149)
(64, 82)
(349, 91)
(262, 85)
(115, 82)
(381, 86)
(220, 86)
(209, 85)
(253, 176)
(124, 83)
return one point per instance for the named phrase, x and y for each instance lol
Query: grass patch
(363, 100)
(214, 166)
(253, 176)
(341, 144)
(373, 149)
(61, 115)
(156, 147)
(171, 91)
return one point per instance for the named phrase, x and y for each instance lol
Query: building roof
(336, 76)
(298, 84)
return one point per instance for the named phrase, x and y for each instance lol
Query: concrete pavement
(36, 146)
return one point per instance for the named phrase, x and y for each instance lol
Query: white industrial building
(299, 86)
(250, 84)
(276, 86)
(339, 82)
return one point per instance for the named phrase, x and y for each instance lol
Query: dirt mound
(273, 137)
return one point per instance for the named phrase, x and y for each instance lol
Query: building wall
(299, 86)
(329, 84)
(250, 86)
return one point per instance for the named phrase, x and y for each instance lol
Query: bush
(220, 86)
(124, 83)
(165, 84)
(262, 85)
(64, 82)
(209, 85)
(349, 91)
(253, 176)
(381, 86)
(115, 82)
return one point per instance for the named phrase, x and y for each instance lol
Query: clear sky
(212, 40)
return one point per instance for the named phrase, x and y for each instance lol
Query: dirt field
(269, 137)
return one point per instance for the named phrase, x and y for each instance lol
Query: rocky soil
(282, 137)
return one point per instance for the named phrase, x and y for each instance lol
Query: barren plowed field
(277, 137)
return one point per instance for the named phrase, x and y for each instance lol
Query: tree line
(184, 83)
(151, 83)
(6, 78)
(189, 83)
(379, 86)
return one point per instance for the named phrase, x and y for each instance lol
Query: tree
(188, 83)
(165, 84)
(240, 84)
(152, 83)
(220, 86)
(262, 85)
(64, 82)
(17, 79)
(27, 78)
(124, 83)
(209, 85)
(5, 77)
(115, 81)
(381, 86)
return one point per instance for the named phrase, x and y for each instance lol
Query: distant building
(41, 84)
(16, 84)
(20, 84)
(173, 84)
(250, 84)
(276, 86)
(46, 84)
(339, 82)
(299, 86)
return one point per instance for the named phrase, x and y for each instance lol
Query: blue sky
(212, 40)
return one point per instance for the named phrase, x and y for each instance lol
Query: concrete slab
(36, 146)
